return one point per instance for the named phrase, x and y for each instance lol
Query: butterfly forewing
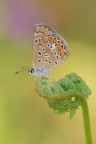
(49, 48)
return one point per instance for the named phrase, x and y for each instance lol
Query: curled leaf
(64, 95)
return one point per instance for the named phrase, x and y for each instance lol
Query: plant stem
(86, 121)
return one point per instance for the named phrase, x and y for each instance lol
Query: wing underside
(49, 49)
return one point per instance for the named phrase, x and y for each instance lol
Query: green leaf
(64, 95)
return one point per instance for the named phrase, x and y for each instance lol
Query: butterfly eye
(31, 71)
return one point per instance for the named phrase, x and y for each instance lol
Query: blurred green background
(25, 118)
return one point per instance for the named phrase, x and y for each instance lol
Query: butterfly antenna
(21, 71)
(26, 67)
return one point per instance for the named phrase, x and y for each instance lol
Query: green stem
(86, 121)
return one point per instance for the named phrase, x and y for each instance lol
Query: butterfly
(48, 51)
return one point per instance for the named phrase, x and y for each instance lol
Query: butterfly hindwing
(49, 48)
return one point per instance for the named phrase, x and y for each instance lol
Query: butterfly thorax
(39, 72)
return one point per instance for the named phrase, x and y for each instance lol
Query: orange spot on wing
(50, 38)
(45, 40)
(57, 43)
(62, 55)
(41, 42)
(45, 32)
(54, 40)
(60, 48)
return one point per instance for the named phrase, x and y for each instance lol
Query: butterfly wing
(49, 48)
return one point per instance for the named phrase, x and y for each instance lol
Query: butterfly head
(38, 72)
(31, 71)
